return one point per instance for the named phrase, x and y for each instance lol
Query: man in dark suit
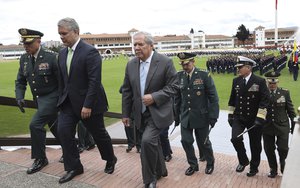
(197, 108)
(277, 127)
(81, 97)
(149, 84)
(38, 68)
(248, 104)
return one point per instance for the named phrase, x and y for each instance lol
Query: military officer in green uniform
(196, 108)
(38, 68)
(277, 127)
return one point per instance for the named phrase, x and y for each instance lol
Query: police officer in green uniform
(196, 108)
(38, 68)
(276, 129)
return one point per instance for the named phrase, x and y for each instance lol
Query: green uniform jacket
(197, 101)
(42, 79)
(279, 111)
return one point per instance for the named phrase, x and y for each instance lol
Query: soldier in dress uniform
(196, 108)
(38, 68)
(248, 104)
(276, 129)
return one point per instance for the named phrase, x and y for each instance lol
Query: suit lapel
(137, 71)
(152, 69)
(75, 56)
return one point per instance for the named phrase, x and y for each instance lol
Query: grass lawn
(13, 122)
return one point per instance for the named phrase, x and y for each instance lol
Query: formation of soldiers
(226, 63)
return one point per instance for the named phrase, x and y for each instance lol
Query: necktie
(143, 76)
(32, 60)
(244, 81)
(188, 78)
(69, 59)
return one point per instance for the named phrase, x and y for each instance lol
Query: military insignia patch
(198, 81)
(181, 55)
(23, 31)
(43, 66)
(281, 99)
(254, 87)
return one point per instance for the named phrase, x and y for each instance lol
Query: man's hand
(21, 104)
(212, 122)
(147, 100)
(125, 122)
(86, 112)
(292, 126)
(230, 119)
(259, 122)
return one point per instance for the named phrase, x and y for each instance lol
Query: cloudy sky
(158, 17)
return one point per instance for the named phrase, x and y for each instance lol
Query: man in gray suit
(149, 84)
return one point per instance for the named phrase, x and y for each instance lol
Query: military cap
(28, 35)
(272, 77)
(185, 57)
(241, 61)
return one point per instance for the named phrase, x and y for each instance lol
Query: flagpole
(276, 29)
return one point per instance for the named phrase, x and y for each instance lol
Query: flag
(295, 53)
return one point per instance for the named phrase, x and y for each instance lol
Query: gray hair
(69, 23)
(148, 37)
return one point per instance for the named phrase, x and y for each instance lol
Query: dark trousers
(187, 140)
(295, 74)
(255, 134)
(165, 142)
(153, 163)
(133, 135)
(85, 138)
(67, 121)
(201, 155)
(38, 133)
(270, 143)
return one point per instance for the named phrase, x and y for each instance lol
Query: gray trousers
(152, 159)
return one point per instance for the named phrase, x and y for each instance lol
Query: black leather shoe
(252, 172)
(70, 175)
(129, 149)
(61, 160)
(81, 149)
(110, 166)
(209, 169)
(90, 147)
(202, 159)
(240, 168)
(37, 165)
(168, 158)
(190, 171)
(138, 149)
(272, 173)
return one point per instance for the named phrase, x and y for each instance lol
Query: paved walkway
(13, 165)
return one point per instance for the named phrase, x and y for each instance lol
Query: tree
(192, 31)
(242, 34)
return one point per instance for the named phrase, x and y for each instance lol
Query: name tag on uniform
(254, 87)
